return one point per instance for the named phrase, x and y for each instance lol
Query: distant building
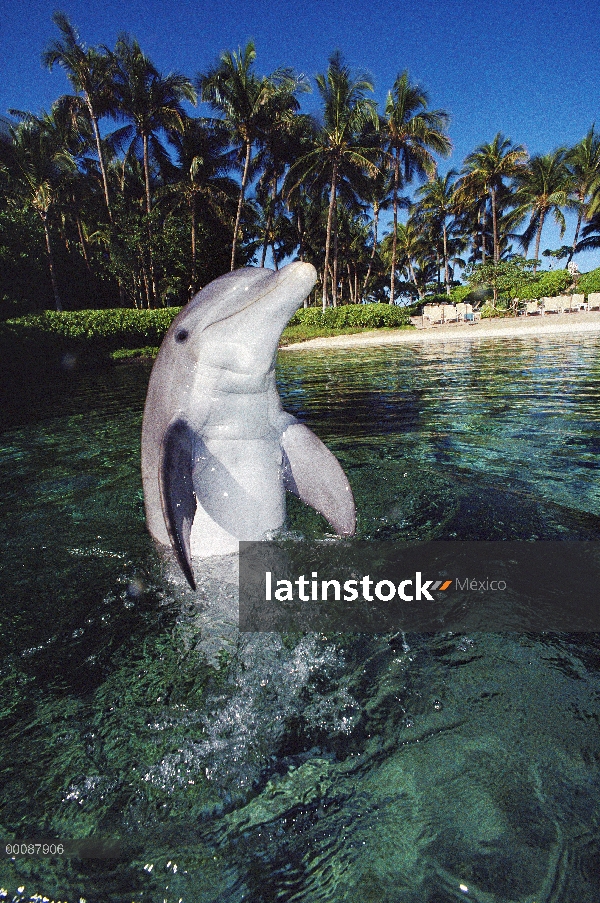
(5, 127)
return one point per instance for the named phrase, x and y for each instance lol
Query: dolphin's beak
(302, 275)
(289, 287)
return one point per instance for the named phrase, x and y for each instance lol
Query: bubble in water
(69, 362)
(135, 588)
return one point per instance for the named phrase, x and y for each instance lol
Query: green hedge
(37, 342)
(83, 338)
(107, 330)
(113, 330)
(369, 316)
(589, 282)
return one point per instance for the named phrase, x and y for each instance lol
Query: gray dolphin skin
(218, 450)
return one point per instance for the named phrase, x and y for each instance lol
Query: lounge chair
(555, 305)
(449, 313)
(593, 301)
(577, 303)
(431, 313)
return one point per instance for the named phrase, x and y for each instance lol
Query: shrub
(441, 298)
(368, 316)
(35, 343)
(489, 311)
(545, 285)
(589, 282)
(107, 330)
(459, 293)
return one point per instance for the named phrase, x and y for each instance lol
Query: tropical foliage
(120, 196)
(590, 282)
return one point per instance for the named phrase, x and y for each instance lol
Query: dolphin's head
(236, 321)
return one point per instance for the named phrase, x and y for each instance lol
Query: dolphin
(218, 450)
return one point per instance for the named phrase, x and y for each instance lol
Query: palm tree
(89, 73)
(543, 187)
(247, 104)
(308, 211)
(152, 102)
(377, 195)
(284, 139)
(38, 164)
(233, 89)
(68, 129)
(201, 177)
(471, 207)
(485, 169)
(353, 234)
(408, 250)
(437, 199)
(583, 161)
(591, 233)
(412, 134)
(338, 154)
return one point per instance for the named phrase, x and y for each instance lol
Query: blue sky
(530, 70)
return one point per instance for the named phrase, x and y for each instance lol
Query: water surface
(317, 768)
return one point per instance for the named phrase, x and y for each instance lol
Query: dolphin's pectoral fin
(312, 473)
(177, 491)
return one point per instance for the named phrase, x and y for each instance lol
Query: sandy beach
(521, 327)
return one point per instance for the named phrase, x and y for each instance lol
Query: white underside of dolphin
(218, 450)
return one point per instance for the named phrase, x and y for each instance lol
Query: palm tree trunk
(147, 175)
(446, 271)
(374, 248)
(269, 223)
(538, 239)
(576, 236)
(328, 239)
(82, 243)
(334, 281)
(57, 301)
(263, 256)
(146, 284)
(483, 236)
(100, 156)
(135, 290)
(149, 211)
(495, 226)
(414, 279)
(154, 290)
(395, 236)
(238, 215)
(300, 237)
(193, 212)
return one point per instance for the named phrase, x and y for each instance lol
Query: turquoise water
(317, 768)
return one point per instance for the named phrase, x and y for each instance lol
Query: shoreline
(585, 323)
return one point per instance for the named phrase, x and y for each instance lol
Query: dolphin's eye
(182, 335)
